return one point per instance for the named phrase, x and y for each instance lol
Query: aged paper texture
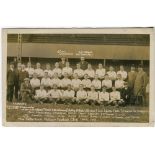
(78, 77)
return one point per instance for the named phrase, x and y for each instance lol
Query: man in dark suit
(132, 76)
(62, 63)
(17, 84)
(126, 94)
(83, 63)
(11, 76)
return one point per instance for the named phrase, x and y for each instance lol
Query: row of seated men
(71, 95)
(66, 75)
(75, 82)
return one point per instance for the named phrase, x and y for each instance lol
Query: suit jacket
(22, 75)
(125, 93)
(131, 78)
(140, 83)
(62, 65)
(11, 76)
(17, 76)
(83, 65)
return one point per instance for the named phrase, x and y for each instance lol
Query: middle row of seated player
(75, 82)
(100, 71)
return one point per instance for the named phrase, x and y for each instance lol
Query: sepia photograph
(77, 77)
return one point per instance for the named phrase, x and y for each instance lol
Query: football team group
(83, 85)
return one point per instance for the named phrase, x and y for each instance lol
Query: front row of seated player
(81, 96)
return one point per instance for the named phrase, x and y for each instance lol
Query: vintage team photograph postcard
(78, 77)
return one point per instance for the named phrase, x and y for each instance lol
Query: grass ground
(20, 112)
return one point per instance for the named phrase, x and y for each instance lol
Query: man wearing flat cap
(26, 91)
(140, 82)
